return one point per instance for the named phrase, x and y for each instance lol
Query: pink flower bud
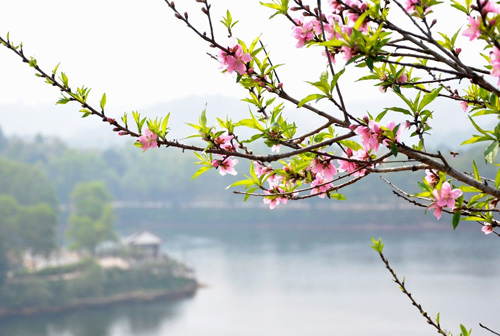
(122, 133)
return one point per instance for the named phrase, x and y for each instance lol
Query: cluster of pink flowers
(353, 167)
(223, 141)
(488, 6)
(274, 180)
(474, 29)
(444, 197)
(225, 165)
(324, 170)
(321, 185)
(411, 6)
(148, 139)
(340, 21)
(235, 60)
(304, 31)
(373, 134)
(495, 63)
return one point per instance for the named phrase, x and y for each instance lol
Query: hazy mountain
(450, 124)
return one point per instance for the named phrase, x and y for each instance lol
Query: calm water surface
(297, 282)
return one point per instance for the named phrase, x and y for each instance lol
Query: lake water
(295, 282)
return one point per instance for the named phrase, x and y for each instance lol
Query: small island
(134, 272)
(83, 263)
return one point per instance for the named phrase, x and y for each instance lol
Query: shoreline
(130, 297)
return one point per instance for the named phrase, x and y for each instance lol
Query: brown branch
(402, 286)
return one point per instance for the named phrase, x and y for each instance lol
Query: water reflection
(300, 282)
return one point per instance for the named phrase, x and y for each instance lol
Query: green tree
(24, 228)
(92, 218)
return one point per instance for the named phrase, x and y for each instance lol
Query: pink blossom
(235, 60)
(335, 6)
(495, 62)
(445, 197)
(488, 7)
(411, 5)
(224, 142)
(323, 166)
(148, 139)
(276, 148)
(352, 167)
(353, 14)
(303, 31)
(321, 185)
(348, 52)
(273, 201)
(329, 55)
(403, 78)
(370, 135)
(432, 177)
(373, 134)
(226, 166)
(487, 229)
(330, 31)
(400, 130)
(474, 30)
(437, 210)
(464, 105)
(262, 170)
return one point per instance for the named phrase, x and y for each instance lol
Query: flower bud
(122, 133)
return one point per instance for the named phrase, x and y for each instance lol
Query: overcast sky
(142, 56)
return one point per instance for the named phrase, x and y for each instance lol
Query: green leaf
(246, 183)
(369, 63)
(394, 149)
(335, 79)
(55, 69)
(338, 197)
(428, 98)
(249, 191)
(479, 129)
(464, 330)
(63, 101)
(351, 144)
(201, 171)
(203, 118)
(491, 152)
(103, 101)
(165, 124)
(497, 179)
(476, 172)
(475, 139)
(377, 245)
(281, 7)
(314, 96)
(64, 79)
(456, 219)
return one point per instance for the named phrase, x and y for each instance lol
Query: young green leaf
(103, 101)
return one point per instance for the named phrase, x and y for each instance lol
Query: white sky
(135, 51)
(141, 56)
